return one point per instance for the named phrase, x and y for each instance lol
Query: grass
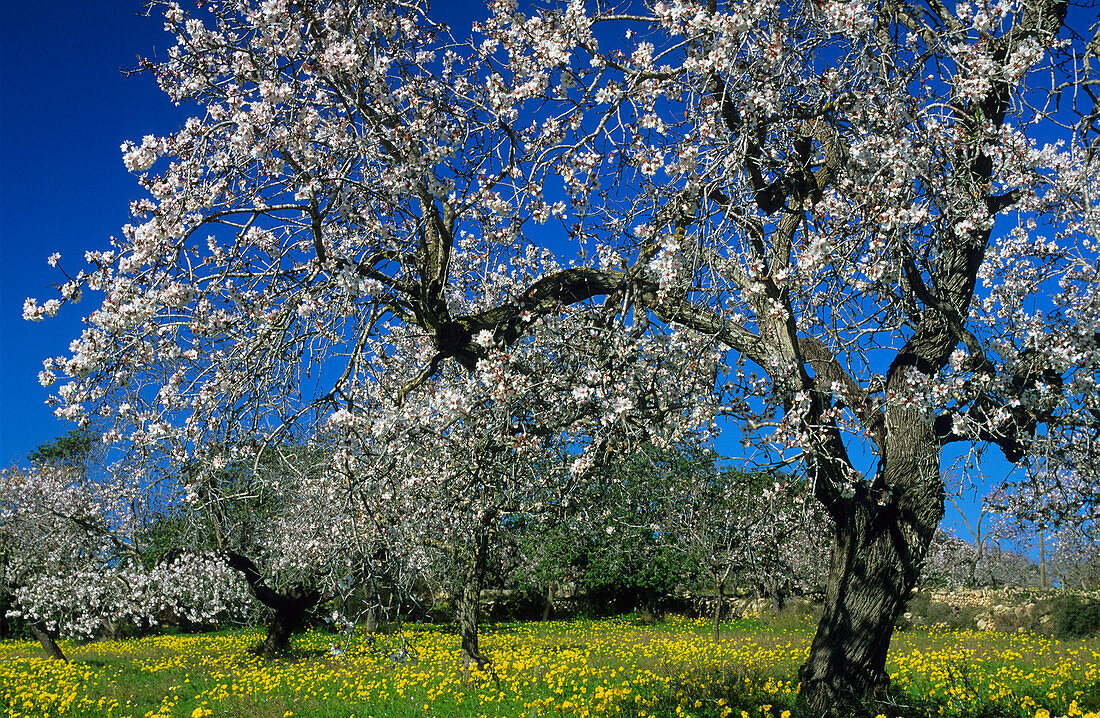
(578, 668)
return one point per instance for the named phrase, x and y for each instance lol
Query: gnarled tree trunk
(47, 640)
(290, 607)
(878, 545)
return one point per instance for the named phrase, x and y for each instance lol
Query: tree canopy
(848, 229)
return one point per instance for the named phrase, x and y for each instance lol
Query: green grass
(585, 668)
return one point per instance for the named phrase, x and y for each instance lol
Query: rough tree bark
(290, 608)
(47, 640)
(877, 551)
(469, 609)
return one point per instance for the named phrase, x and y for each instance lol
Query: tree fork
(879, 542)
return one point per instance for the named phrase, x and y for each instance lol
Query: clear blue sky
(65, 107)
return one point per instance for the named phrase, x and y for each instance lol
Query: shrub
(796, 615)
(1075, 617)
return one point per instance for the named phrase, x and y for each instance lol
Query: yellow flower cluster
(580, 668)
(968, 669)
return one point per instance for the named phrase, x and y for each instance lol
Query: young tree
(814, 188)
(973, 556)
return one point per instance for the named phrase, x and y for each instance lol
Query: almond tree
(286, 523)
(821, 187)
(1075, 557)
(347, 232)
(73, 562)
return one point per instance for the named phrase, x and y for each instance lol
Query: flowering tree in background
(952, 562)
(1075, 557)
(757, 530)
(74, 561)
(1055, 499)
(775, 212)
(298, 535)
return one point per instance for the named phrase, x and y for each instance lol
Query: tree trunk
(1042, 562)
(775, 590)
(877, 551)
(470, 606)
(290, 607)
(48, 643)
(290, 613)
(371, 624)
(549, 606)
(719, 584)
(279, 630)
(6, 602)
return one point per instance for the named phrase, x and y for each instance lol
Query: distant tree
(953, 562)
(610, 537)
(1048, 507)
(72, 450)
(755, 529)
(1075, 557)
(300, 535)
(77, 562)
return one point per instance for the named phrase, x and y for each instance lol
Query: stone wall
(1006, 610)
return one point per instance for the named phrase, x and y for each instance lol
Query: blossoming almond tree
(817, 188)
(73, 562)
(337, 247)
(298, 535)
(889, 209)
(466, 452)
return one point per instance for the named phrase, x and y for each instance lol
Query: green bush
(1075, 617)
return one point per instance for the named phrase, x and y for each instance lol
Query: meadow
(583, 668)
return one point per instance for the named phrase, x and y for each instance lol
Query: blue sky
(65, 108)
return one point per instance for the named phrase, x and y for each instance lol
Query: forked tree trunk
(877, 551)
(48, 643)
(290, 607)
(290, 613)
(279, 631)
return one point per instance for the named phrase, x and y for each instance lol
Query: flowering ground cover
(578, 668)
